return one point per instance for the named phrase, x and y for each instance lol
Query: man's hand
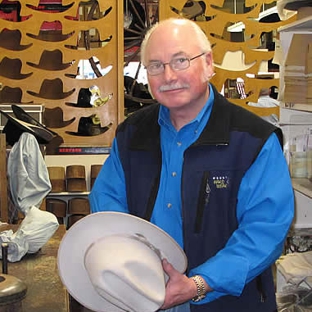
(179, 288)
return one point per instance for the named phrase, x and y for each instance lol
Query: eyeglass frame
(163, 65)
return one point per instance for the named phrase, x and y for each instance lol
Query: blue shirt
(258, 187)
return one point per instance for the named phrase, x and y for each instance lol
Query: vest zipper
(204, 196)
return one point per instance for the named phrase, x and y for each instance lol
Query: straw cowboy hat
(11, 68)
(51, 31)
(51, 60)
(11, 40)
(53, 118)
(117, 265)
(52, 89)
(89, 126)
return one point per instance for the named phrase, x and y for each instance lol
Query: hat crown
(126, 271)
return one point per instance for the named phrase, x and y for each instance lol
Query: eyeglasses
(176, 64)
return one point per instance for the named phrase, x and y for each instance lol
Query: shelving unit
(300, 26)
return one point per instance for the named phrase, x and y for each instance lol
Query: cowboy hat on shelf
(53, 118)
(11, 68)
(90, 126)
(11, 40)
(59, 7)
(117, 264)
(51, 31)
(15, 127)
(90, 97)
(51, 60)
(52, 89)
(83, 100)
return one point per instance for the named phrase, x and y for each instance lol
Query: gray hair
(200, 36)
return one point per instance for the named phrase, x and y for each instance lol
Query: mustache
(171, 87)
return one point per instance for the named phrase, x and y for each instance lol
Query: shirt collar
(164, 113)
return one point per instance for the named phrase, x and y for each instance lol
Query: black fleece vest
(212, 172)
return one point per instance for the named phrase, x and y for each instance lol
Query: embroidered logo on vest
(221, 182)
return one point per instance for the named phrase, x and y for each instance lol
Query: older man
(209, 173)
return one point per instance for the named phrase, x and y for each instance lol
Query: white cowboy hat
(111, 262)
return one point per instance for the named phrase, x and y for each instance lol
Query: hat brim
(24, 116)
(63, 95)
(79, 105)
(82, 234)
(59, 124)
(42, 135)
(53, 67)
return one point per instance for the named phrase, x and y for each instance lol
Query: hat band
(141, 238)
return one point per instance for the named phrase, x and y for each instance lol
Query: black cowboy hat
(84, 99)
(53, 118)
(11, 68)
(53, 32)
(52, 89)
(88, 127)
(51, 60)
(15, 127)
(20, 114)
(11, 40)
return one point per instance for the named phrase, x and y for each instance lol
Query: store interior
(74, 68)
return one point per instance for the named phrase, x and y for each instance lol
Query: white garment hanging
(28, 175)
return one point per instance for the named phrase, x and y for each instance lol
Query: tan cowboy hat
(11, 68)
(52, 89)
(51, 60)
(53, 118)
(11, 40)
(111, 262)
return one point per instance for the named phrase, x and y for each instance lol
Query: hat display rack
(215, 17)
(40, 63)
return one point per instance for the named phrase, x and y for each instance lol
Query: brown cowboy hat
(51, 60)
(88, 127)
(11, 40)
(11, 68)
(11, 95)
(52, 89)
(51, 31)
(53, 118)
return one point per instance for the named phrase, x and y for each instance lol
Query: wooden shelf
(303, 186)
(299, 25)
(297, 106)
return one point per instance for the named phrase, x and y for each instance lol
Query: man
(209, 173)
